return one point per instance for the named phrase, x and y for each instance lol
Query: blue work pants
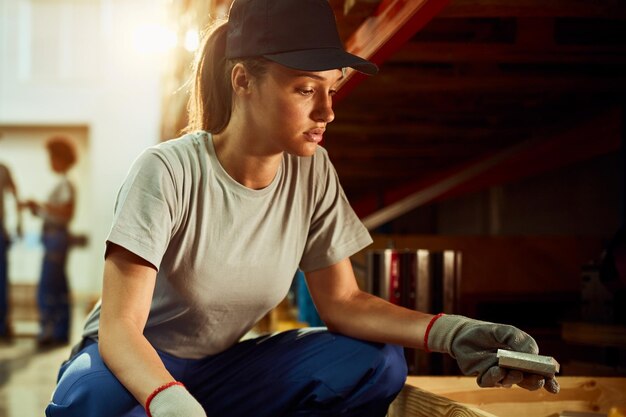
(53, 292)
(307, 372)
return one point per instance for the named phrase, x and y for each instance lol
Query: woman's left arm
(346, 309)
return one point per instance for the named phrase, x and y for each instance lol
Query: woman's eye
(332, 92)
(305, 91)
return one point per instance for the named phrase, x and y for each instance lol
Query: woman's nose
(324, 110)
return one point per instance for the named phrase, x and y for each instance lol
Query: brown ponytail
(211, 102)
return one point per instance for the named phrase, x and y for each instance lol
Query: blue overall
(4, 284)
(307, 372)
(53, 293)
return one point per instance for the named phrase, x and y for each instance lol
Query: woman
(56, 212)
(209, 230)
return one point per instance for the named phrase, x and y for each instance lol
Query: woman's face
(58, 164)
(291, 108)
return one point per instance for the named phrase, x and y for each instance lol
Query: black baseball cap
(299, 34)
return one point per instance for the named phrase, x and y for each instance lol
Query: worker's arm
(346, 309)
(128, 286)
(13, 190)
(62, 212)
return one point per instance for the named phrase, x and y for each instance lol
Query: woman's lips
(315, 135)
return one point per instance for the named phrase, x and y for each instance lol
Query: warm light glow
(153, 38)
(192, 40)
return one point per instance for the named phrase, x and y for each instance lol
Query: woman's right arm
(126, 297)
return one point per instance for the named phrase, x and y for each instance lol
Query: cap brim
(322, 59)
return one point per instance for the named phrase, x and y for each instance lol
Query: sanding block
(528, 362)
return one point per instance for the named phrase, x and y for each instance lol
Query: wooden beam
(453, 52)
(457, 109)
(392, 169)
(428, 133)
(623, 167)
(417, 81)
(415, 156)
(436, 396)
(604, 9)
(379, 36)
(360, 8)
(536, 33)
(350, 14)
(439, 188)
(527, 158)
(418, 402)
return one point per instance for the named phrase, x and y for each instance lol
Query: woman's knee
(393, 367)
(378, 365)
(361, 378)
(86, 387)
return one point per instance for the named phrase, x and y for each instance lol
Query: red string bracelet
(430, 325)
(156, 391)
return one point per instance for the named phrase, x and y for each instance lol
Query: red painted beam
(393, 24)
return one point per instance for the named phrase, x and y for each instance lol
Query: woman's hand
(30, 205)
(173, 400)
(474, 344)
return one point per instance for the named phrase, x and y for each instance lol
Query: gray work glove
(174, 401)
(474, 344)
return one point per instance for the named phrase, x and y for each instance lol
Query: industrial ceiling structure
(471, 94)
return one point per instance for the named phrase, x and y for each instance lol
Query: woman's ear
(240, 79)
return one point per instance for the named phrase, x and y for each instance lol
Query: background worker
(7, 186)
(56, 212)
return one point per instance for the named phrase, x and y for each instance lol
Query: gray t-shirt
(226, 254)
(63, 193)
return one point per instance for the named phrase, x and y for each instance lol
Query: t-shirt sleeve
(145, 208)
(63, 193)
(336, 232)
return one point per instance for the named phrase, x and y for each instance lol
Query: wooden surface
(460, 397)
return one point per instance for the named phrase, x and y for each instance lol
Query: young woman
(209, 230)
(56, 212)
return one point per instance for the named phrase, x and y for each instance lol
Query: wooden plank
(350, 157)
(441, 396)
(420, 80)
(453, 52)
(606, 9)
(437, 189)
(427, 129)
(360, 8)
(417, 402)
(533, 156)
(350, 14)
(378, 37)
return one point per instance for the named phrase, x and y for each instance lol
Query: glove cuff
(157, 391)
(428, 328)
(443, 329)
